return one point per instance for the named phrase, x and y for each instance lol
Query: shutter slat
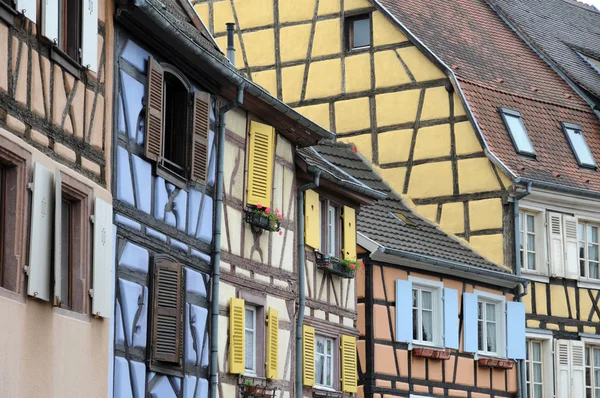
(168, 307)
(154, 110)
(272, 343)
(261, 150)
(236, 336)
(349, 233)
(312, 227)
(348, 349)
(308, 355)
(200, 130)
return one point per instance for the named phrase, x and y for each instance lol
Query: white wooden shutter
(470, 331)
(515, 330)
(89, 34)
(451, 339)
(50, 19)
(563, 369)
(404, 321)
(40, 249)
(555, 233)
(103, 259)
(571, 247)
(577, 369)
(58, 300)
(27, 7)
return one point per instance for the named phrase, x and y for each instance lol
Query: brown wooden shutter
(166, 331)
(200, 128)
(154, 110)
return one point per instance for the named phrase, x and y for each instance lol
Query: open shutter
(272, 343)
(40, 249)
(166, 333)
(200, 129)
(308, 355)
(50, 19)
(260, 164)
(349, 234)
(404, 319)
(236, 335)
(451, 318)
(348, 349)
(89, 35)
(571, 247)
(577, 369)
(515, 330)
(470, 333)
(154, 110)
(312, 218)
(563, 369)
(103, 260)
(27, 7)
(58, 277)
(555, 232)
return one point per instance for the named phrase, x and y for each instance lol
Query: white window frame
(571, 128)
(586, 243)
(593, 343)
(523, 224)
(547, 360)
(500, 307)
(436, 288)
(250, 371)
(540, 274)
(331, 229)
(332, 369)
(511, 113)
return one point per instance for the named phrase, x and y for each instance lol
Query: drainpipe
(301, 281)
(521, 369)
(216, 250)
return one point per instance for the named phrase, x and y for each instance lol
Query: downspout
(301, 281)
(216, 250)
(521, 368)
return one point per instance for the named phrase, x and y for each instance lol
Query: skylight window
(517, 132)
(579, 145)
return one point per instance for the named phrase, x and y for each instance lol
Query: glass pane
(415, 298)
(328, 375)
(531, 242)
(592, 252)
(536, 348)
(249, 349)
(249, 319)
(597, 358)
(537, 372)
(530, 223)
(328, 347)
(518, 133)
(480, 335)
(580, 231)
(531, 261)
(427, 300)
(65, 260)
(594, 271)
(538, 391)
(320, 346)
(362, 33)
(491, 337)
(479, 310)
(592, 234)
(319, 363)
(427, 325)
(490, 312)
(580, 147)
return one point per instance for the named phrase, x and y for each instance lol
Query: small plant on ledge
(337, 266)
(250, 390)
(263, 217)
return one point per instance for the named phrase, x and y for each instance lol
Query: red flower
(352, 266)
(280, 217)
(259, 206)
(280, 232)
(277, 211)
(267, 210)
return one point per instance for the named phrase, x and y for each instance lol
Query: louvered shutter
(470, 330)
(260, 164)
(404, 319)
(571, 247)
(349, 233)
(166, 335)
(451, 318)
(200, 129)
(103, 260)
(27, 7)
(348, 349)
(272, 343)
(563, 369)
(58, 300)
(555, 232)
(236, 335)
(89, 35)
(577, 368)
(308, 355)
(515, 326)
(154, 110)
(312, 218)
(50, 19)
(40, 249)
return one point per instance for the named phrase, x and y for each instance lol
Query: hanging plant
(264, 218)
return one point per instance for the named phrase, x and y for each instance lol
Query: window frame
(324, 222)
(529, 362)
(586, 244)
(546, 339)
(504, 112)
(539, 239)
(566, 126)
(436, 288)
(334, 343)
(252, 308)
(260, 349)
(349, 21)
(500, 306)
(592, 346)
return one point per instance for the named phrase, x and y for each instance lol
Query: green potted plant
(263, 217)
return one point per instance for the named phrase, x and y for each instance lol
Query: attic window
(358, 31)
(518, 133)
(594, 62)
(403, 219)
(579, 146)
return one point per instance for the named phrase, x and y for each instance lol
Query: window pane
(531, 242)
(580, 230)
(537, 351)
(328, 347)
(490, 312)
(592, 252)
(328, 381)
(580, 147)
(538, 391)
(592, 234)
(531, 261)
(319, 363)
(530, 223)
(597, 358)
(537, 372)
(65, 260)
(479, 310)
(594, 271)
(249, 349)
(480, 335)
(518, 133)
(491, 337)
(249, 319)
(320, 346)
(427, 325)
(362, 33)
(427, 300)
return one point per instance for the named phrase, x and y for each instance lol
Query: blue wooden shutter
(404, 327)
(470, 322)
(451, 318)
(515, 330)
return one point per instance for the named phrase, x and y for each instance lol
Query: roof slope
(495, 68)
(560, 29)
(381, 224)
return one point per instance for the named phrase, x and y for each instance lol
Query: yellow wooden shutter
(312, 227)
(236, 335)
(308, 355)
(349, 233)
(348, 350)
(272, 343)
(261, 151)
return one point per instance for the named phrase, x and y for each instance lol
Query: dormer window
(518, 133)
(580, 148)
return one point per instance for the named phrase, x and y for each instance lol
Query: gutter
(559, 188)
(353, 186)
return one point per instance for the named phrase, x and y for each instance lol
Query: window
(358, 31)
(534, 363)
(423, 314)
(527, 229)
(66, 259)
(70, 28)
(489, 328)
(580, 148)
(175, 116)
(518, 133)
(589, 253)
(331, 228)
(324, 361)
(592, 372)
(250, 339)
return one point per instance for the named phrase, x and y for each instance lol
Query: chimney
(230, 47)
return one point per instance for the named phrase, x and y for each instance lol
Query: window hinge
(26, 269)
(30, 186)
(91, 293)
(93, 219)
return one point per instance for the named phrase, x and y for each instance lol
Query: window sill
(66, 62)
(494, 362)
(535, 276)
(72, 314)
(323, 388)
(588, 283)
(7, 13)
(432, 352)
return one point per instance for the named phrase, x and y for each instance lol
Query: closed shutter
(200, 129)
(563, 369)
(577, 369)
(470, 331)
(40, 249)
(58, 277)
(89, 35)
(571, 247)
(312, 218)
(236, 335)
(272, 343)
(451, 318)
(154, 110)
(515, 327)
(166, 333)
(308, 355)
(404, 319)
(349, 233)
(555, 232)
(260, 164)
(103, 261)
(50, 18)
(27, 7)
(348, 349)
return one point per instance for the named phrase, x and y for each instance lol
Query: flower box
(433, 353)
(257, 218)
(496, 363)
(333, 265)
(255, 391)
